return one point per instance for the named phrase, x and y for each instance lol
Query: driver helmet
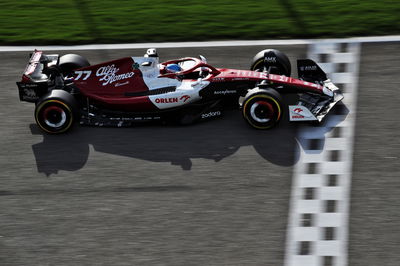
(173, 68)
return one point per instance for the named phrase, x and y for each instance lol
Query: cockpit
(187, 68)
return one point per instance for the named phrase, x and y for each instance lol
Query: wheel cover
(54, 116)
(261, 111)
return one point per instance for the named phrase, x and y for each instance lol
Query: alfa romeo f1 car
(126, 91)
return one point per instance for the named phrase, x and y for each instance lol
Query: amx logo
(270, 59)
(308, 68)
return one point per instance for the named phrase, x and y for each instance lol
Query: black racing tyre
(262, 108)
(280, 64)
(69, 62)
(56, 112)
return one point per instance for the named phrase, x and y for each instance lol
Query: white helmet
(151, 52)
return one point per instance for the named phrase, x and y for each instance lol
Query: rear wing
(34, 82)
(310, 71)
(33, 62)
(37, 63)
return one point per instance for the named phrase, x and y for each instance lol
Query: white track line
(317, 233)
(393, 38)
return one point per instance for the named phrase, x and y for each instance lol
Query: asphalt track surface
(215, 193)
(375, 207)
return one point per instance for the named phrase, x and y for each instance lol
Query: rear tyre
(69, 62)
(55, 112)
(277, 61)
(262, 108)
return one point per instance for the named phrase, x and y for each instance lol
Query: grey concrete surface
(215, 193)
(375, 206)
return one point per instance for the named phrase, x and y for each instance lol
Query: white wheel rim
(59, 124)
(255, 117)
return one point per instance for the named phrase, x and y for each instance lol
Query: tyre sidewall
(70, 62)
(61, 101)
(258, 62)
(269, 96)
(48, 103)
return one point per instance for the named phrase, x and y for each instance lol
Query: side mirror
(202, 58)
(145, 64)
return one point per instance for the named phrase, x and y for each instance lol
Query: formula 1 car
(130, 90)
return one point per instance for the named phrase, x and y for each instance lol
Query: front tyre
(262, 108)
(55, 114)
(274, 60)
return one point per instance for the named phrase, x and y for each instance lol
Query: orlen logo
(297, 112)
(167, 100)
(183, 98)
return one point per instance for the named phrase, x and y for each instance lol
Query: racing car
(126, 91)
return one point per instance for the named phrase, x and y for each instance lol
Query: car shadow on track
(214, 140)
(312, 138)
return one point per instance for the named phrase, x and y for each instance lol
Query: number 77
(80, 73)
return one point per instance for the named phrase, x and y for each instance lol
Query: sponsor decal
(299, 113)
(183, 98)
(308, 68)
(85, 74)
(30, 93)
(109, 75)
(310, 84)
(219, 79)
(121, 84)
(135, 66)
(211, 114)
(225, 92)
(28, 85)
(270, 59)
(283, 78)
(167, 100)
